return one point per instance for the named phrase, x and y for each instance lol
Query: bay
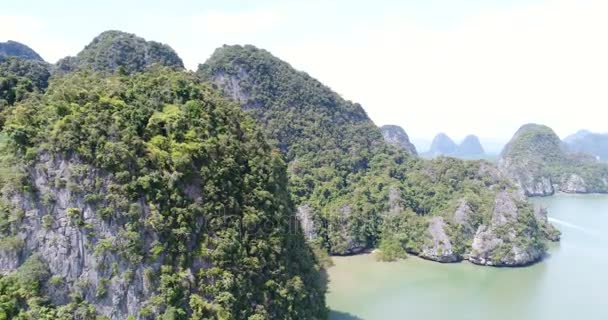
(569, 283)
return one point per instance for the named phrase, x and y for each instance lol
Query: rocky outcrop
(573, 184)
(65, 231)
(344, 240)
(502, 243)
(584, 141)
(305, 217)
(536, 186)
(395, 135)
(439, 246)
(514, 234)
(542, 165)
(462, 216)
(550, 231)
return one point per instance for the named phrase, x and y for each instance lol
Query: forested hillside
(131, 188)
(542, 164)
(146, 196)
(20, 78)
(351, 186)
(120, 51)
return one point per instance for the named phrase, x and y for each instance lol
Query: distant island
(585, 141)
(542, 164)
(443, 145)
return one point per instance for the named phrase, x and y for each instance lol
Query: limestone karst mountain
(542, 164)
(132, 188)
(470, 147)
(146, 197)
(120, 51)
(396, 136)
(355, 193)
(584, 141)
(442, 145)
(18, 50)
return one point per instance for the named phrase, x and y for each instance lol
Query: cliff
(353, 192)
(395, 135)
(541, 164)
(120, 51)
(146, 197)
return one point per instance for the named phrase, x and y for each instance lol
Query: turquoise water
(571, 283)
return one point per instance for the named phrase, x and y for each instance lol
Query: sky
(481, 67)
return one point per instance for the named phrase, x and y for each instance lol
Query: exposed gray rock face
(232, 86)
(532, 184)
(345, 242)
(439, 246)
(395, 203)
(573, 184)
(77, 244)
(305, 214)
(499, 243)
(549, 230)
(462, 216)
(542, 164)
(395, 135)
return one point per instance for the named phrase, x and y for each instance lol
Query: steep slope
(395, 135)
(595, 144)
(120, 51)
(353, 191)
(538, 160)
(442, 145)
(18, 50)
(470, 147)
(146, 197)
(328, 142)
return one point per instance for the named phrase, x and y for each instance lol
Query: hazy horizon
(476, 67)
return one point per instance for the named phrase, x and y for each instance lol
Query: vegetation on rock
(358, 191)
(21, 78)
(165, 185)
(542, 164)
(395, 135)
(123, 52)
(132, 190)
